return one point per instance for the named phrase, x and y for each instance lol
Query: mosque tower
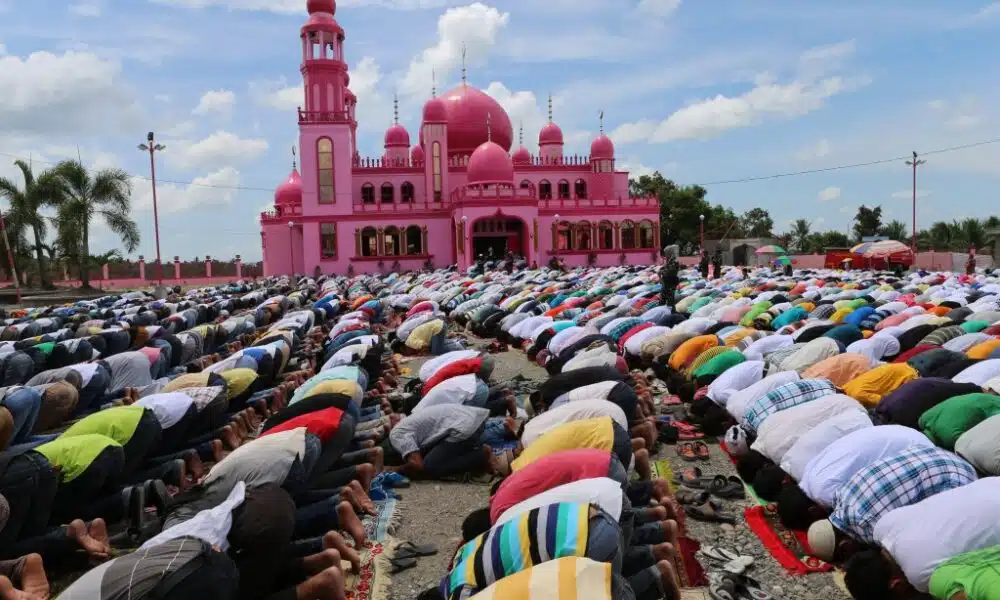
(550, 141)
(435, 141)
(602, 165)
(397, 139)
(326, 122)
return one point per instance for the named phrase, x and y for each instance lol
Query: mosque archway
(742, 254)
(495, 235)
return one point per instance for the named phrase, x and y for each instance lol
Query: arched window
(369, 242)
(406, 192)
(414, 240)
(436, 166)
(392, 242)
(605, 235)
(525, 184)
(563, 189)
(628, 235)
(545, 189)
(564, 236)
(583, 235)
(646, 234)
(388, 195)
(328, 240)
(581, 189)
(368, 193)
(324, 166)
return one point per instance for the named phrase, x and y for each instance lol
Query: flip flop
(689, 496)
(718, 554)
(730, 488)
(701, 451)
(709, 513)
(686, 452)
(693, 478)
(402, 564)
(412, 549)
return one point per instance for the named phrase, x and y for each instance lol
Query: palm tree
(25, 208)
(941, 235)
(895, 230)
(973, 232)
(106, 194)
(800, 234)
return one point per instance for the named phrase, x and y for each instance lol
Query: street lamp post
(555, 235)
(152, 147)
(701, 219)
(915, 163)
(291, 246)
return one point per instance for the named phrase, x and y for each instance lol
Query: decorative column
(357, 242)
(423, 240)
(594, 242)
(142, 268)
(177, 267)
(239, 267)
(380, 241)
(618, 241)
(208, 266)
(656, 235)
(534, 236)
(104, 271)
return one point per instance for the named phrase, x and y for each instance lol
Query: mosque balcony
(386, 164)
(620, 203)
(280, 212)
(307, 117)
(573, 161)
(494, 192)
(361, 207)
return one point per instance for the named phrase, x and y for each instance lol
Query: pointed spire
(294, 166)
(520, 134)
(434, 86)
(601, 117)
(463, 64)
(550, 107)
(395, 108)
(489, 132)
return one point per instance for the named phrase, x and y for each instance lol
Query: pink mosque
(457, 194)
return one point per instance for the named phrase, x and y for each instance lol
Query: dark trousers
(94, 389)
(94, 493)
(144, 441)
(446, 459)
(174, 438)
(333, 449)
(29, 483)
(213, 575)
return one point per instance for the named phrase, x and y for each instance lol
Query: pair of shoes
(136, 498)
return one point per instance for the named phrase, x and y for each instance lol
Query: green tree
(800, 235)
(867, 222)
(941, 235)
(834, 239)
(757, 222)
(896, 230)
(26, 206)
(680, 207)
(105, 194)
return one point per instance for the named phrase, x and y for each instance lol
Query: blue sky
(704, 91)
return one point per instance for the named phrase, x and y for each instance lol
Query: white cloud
(658, 8)
(475, 26)
(86, 9)
(69, 93)
(215, 101)
(832, 53)
(633, 132)
(298, 6)
(830, 193)
(278, 94)
(964, 122)
(523, 109)
(216, 151)
(214, 189)
(820, 150)
(937, 104)
(908, 194)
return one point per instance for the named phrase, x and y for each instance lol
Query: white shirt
(876, 347)
(963, 342)
(594, 391)
(734, 379)
(923, 535)
(602, 491)
(211, 525)
(429, 368)
(168, 407)
(634, 344)
(780, 431)
(766, 345)
(346, 356)
(457, 390)
(571, 411)
(594, 357)
(738, 401)
(564, 338)
(979, 373)
(814, 441)
(86, 371)
(833, 467)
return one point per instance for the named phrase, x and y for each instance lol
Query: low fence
(137, 274)
(930, 261)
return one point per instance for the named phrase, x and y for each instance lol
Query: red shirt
(321, 423)
(465, 366)
(905, 356)
(546, 473)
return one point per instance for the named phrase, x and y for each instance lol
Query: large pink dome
(602, 147)
(417, 154)
(550, 134)
(521, 156)
(490, 163)
(468, 110)
(290, 190)
(397, 135)
(435, 111)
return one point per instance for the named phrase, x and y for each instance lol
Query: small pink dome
(490, 163)
(290, 190)
(321, 6)
(602, 147)
(550, 134)
(397, 135)
(521, 156)
(435, 111)
(417, 154)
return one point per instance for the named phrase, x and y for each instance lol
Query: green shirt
(117, 423)
(45, 347)
(974, 573)
(944, 423)
(74, 454)
(975, 326)
(719, 364)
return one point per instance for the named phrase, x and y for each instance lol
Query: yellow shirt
(567, 578)
(685, 354)
(983, 350)
(420, 337)
(187, 380)
(868, 388)
(238, 380)
(597, 433)
(348, 388)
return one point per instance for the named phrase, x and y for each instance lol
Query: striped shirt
(784, 397)
(894, 482)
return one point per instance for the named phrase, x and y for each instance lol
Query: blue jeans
(440, 344)
(94, 389)
(24, 405)
(494, 432)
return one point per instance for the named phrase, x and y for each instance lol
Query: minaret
(550, 140)
(434, 137)
(602, 164)
(397, 139)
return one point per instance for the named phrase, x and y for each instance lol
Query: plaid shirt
(784, 397)
(203, 396)
(895, 482)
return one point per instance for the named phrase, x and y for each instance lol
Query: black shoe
(134, 498)
(157, 495)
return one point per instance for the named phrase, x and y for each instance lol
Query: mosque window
(324, 164)
(436, 165)
(414, 240)
(406, 192)
(368, 193)
(328, 240)
(564, 236)
(583, 235)
(545, 190)
(645, 234)
(369, 242)
(525, 184)
(581, 189)
(563, 189)
(388, 195)
(605, 235)
(628, 235)
(392, 241)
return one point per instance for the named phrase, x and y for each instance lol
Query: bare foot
(95, 541)
(33, 580)
(9, 592)
(350, 523)
(365, 473)
(328, 585)
(321, 561)
(218, 452)
(668, 579)
(376, 456)
(195, 468)
(334, 540)
(368, 444)
(230, 438)
(672, 530)
(663, 551)
(348, 494)
(362, 496)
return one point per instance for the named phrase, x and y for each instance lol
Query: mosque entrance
(494, 236)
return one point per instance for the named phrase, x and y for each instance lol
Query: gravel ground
(433, 512)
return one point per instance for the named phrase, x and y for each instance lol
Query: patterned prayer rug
(379, 527)
(663, 470)
(372, 583)
(788, 546)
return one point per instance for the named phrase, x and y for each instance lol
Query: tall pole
(10, 258)
(915, 163)
(152, 147)
(702, 231)
(291, 247)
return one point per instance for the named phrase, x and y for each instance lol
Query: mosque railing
(600, 203)
(324, 116)
(399, 207)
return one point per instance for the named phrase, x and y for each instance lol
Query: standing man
(703, 264)
(717, 263)
(669, 279)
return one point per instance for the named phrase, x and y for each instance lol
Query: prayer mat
(372, 583)
(379, 527)
(689, 571)
(663, 470)
(788, 546)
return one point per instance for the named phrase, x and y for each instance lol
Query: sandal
(701, 451)
(710, 513)
(694, 479)
(412, 550)
(686, 452)
(689, 496)
(689, 436)
(402, 564)
(730, 488)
